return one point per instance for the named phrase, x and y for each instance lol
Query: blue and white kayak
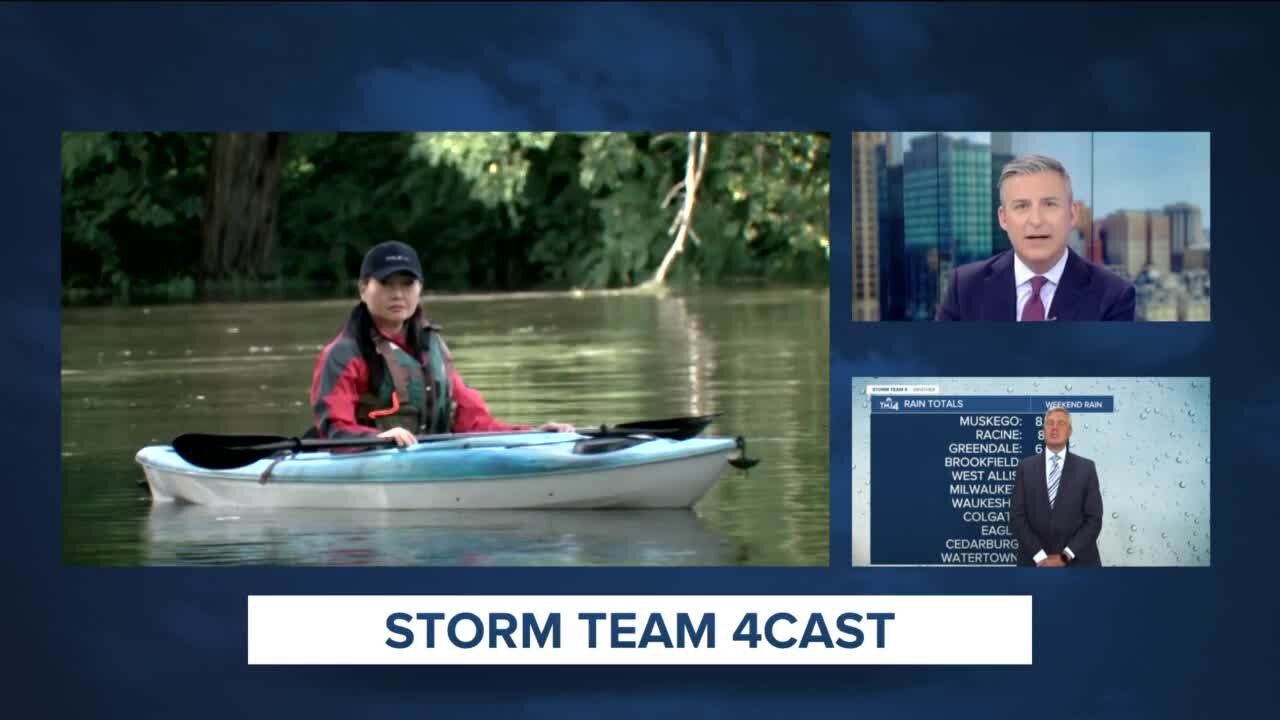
(518, 471)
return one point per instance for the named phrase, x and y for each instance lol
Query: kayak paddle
(223, 452)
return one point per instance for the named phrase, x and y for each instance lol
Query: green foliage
(489, 211)
(131, 206)
(775, 189)
(560, 225)
(495, 163)
(630, 176)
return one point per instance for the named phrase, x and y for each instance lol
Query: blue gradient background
(1108, 644)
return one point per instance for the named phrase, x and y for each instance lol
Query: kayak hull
(531, 472)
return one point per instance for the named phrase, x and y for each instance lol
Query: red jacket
(341, 376)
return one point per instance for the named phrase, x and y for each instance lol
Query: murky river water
(135, 376)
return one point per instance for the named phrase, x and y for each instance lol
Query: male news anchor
(1056, 511)
(1040, 278)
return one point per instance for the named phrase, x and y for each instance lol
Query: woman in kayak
(388, 372)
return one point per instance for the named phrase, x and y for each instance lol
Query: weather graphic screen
(941, 459)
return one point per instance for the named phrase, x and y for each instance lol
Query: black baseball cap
(390, 257)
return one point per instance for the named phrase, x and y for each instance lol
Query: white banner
(639, 630)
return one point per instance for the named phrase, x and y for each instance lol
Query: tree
(496, 163)
(682, 225)
(241, 203)
(176, 214)
(131, 207)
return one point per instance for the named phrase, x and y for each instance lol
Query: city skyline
(1117, 171)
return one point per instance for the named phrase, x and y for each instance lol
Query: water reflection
(182, 534)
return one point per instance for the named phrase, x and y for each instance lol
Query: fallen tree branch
(671, 194)
(682, 224)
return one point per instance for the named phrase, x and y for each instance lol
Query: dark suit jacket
(985, 290)
(1074, 521)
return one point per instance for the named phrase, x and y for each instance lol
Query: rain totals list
(981, 468)
(945, 465)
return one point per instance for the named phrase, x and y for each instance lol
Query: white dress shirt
(1022, 283)
(1062, 470)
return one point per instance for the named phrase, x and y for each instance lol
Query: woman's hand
(556, 427)
(403, 437)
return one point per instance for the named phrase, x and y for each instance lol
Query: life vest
(415, 393)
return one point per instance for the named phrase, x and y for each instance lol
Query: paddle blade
(224, 452)
(681, 428)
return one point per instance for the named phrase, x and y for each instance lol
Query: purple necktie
(1034, 309)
